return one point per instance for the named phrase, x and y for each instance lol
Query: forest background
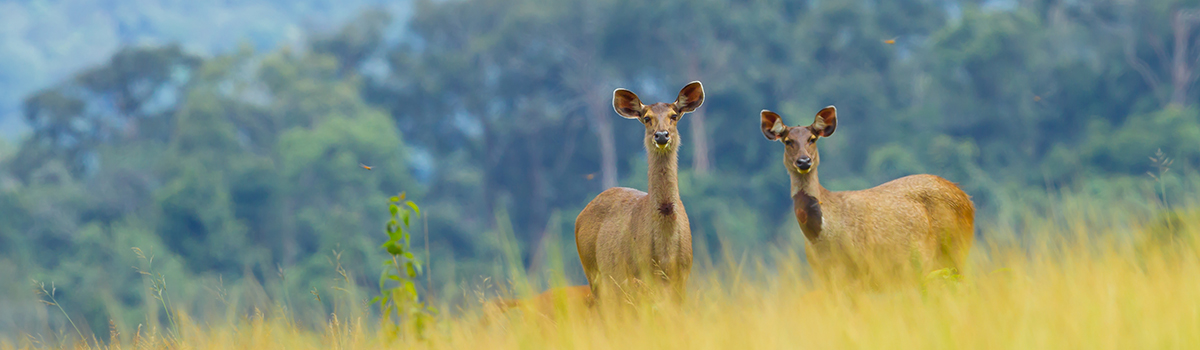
(226, 140)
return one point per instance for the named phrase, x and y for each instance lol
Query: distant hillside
(43, 42)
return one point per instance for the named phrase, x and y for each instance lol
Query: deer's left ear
(825, 122)
(690, 98)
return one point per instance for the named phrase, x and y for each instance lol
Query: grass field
(1086, 281)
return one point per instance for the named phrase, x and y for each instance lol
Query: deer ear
(690, 97)
(825, 122)
(772, 125)
(627, 104)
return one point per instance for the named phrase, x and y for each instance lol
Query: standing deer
(916, 223)
(625, 235)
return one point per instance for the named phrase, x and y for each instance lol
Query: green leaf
(412, 290)
(393, 209)
(414, 207)
(405, 217)
(408, 255)
(394, 199)
(395, 250)
(390, 241)
(412, 272)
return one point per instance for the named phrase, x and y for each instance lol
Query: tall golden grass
(1088, 278)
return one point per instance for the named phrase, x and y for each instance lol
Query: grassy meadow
(228, 188)
(1084, 276)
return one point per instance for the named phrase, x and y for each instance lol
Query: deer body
(551, 301)
(915, 223)
(627, 236)
(553, 305)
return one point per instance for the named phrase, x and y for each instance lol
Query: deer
(553, 305)
(629, 238)
(546, 303)
(913, 224)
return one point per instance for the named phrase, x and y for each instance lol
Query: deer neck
(807, 198)
(664, 183)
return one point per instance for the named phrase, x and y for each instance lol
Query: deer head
(800, 142)
(661, 119)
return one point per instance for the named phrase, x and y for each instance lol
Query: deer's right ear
(627, 104)
(772, 125)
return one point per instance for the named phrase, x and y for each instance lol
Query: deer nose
(662, 137)
(804, 163)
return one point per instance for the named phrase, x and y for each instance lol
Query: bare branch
(1181, 73)
(1144, 70)
(1189, 15)
(1195, 62)
(1159, 50)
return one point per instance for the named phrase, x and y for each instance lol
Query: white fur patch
(819, 124)
(778, 128)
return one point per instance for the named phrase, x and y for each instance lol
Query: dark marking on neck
(666, 208)
(808, 214)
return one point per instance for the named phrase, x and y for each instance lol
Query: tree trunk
(598, 103)
(1181, 72)
(602, 125)
(700, 162)
(699, 141)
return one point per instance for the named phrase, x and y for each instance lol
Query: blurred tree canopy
(244, 168)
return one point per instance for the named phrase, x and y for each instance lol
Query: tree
(133, 94)
(1166, 57)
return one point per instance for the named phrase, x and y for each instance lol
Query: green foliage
(397, 284)
(243, 169)
(132, 92)
(1173, 131)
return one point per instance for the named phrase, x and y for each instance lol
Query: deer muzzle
(661, 138)
(804, 164)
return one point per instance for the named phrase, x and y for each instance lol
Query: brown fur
(626, 235)
(552, 300)
(915, 223)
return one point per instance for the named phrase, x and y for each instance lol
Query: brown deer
(553, 305)
(626, 235)
(552, 300)
(916, 223)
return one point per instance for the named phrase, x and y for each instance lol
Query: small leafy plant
(1163, 165)
(398, 298)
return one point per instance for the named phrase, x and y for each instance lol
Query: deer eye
(812, 139)
(674, 117)
(788, 142)
(645, 119)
